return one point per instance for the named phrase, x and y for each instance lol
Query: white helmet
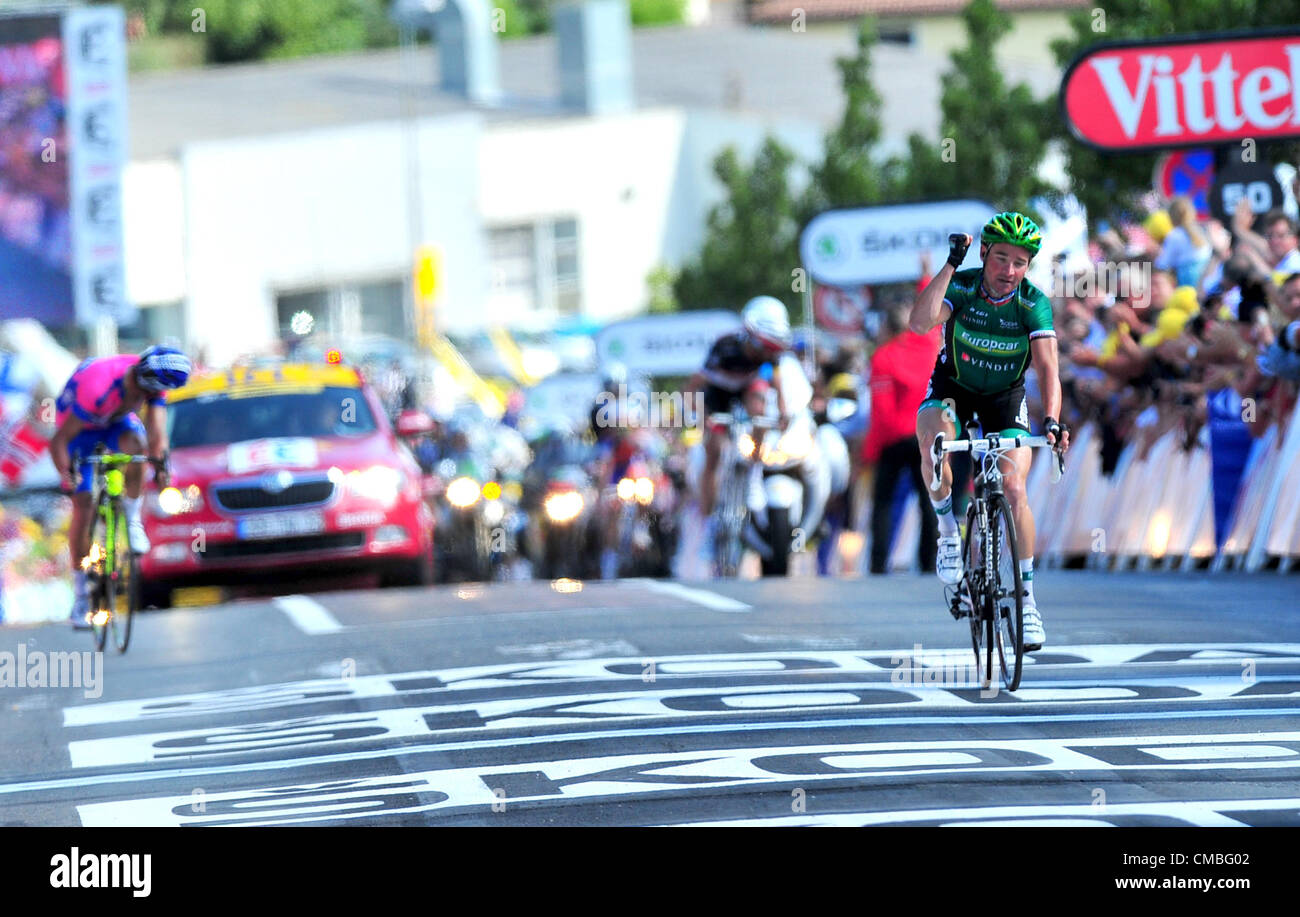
(767, 323)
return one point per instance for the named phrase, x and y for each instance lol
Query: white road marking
(518, 713)
(657, 732)
(308, 615)
(599, 777)
(1209, 813)
(567, 674)
(698, 596)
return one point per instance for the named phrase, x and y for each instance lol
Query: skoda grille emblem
(276, 482)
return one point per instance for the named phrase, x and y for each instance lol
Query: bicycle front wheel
(101, 590)
(730, 522)
(125, 587)
(1007, 592)
(973, 583)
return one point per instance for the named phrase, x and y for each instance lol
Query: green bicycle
(111, 568)
(991, 594)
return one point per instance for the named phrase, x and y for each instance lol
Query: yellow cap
(842, 383)
(1158, 225)
(1184, 299)
(1169, 324)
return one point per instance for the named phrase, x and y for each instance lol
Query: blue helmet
(162, 368)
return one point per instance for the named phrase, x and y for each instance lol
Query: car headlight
(172, 501)
(563, 507)
(462, 492)
(626, 489)
(379, 482)
(645, 491)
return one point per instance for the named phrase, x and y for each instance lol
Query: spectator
(1185, 250)
(1276, 251)
(900, 371)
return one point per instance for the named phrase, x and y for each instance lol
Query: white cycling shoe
(136, 536)
(947, 562)
(1032, 635)
(80, 611)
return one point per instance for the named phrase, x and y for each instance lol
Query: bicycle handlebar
(1004, 444)
(119, 459)
(114, 460)
(994, 446)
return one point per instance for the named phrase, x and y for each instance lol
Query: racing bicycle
(111, 568)
(991, 594)
(730, 510)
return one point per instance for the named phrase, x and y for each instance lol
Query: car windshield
(218, 419)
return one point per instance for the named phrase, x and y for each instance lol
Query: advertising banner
(35, 235)
(1194, 90)
(875, 245)
(664, 345)
(94, 40)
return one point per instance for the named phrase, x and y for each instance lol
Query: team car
(281, 471)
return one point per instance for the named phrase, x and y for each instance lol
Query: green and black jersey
(986, 342)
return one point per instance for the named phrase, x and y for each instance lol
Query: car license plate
(189, 596)
(279, 525)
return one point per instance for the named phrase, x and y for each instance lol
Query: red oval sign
(1190, 91)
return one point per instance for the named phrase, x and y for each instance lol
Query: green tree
(240, 30)
(1109, 184)
(993, 137)
(752, 242)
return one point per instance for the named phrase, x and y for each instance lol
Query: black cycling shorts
(999, 412)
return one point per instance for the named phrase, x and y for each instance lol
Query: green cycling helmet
(1014, 229)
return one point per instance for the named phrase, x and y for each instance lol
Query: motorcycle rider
(736, 360)
(611, 422)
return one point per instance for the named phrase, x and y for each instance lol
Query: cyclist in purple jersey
(97, 406)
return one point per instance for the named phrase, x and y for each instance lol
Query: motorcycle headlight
(746, 445)
(793, 446)
(379, 482)
(626, 489)
(173, 501)
(563, 507)
(645, 491)
(493, 512)
(462, 492)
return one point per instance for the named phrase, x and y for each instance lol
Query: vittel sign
(1186, 91)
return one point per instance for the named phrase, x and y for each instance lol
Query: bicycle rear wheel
(1007, 591)
(125, 587)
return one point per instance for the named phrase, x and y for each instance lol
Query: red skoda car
(284, 472)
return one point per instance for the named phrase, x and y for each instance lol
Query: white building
(256, 191)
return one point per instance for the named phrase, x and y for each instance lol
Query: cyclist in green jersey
(995, 323)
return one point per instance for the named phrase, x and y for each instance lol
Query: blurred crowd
(1204, 327)
(1177, 324)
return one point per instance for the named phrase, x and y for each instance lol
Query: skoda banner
(874, 245)
(663, 345)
